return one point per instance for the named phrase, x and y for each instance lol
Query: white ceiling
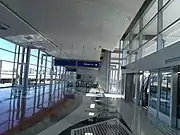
(79, 27)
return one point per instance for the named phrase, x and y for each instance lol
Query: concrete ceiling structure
(81, 28)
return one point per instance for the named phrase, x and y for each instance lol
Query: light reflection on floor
(16, 105)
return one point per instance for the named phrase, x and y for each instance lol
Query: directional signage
(88, 64)
(75, 63)
(65, 62)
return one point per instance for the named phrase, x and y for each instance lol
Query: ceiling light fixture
(88, 133)
(92, 105)
(91, 114)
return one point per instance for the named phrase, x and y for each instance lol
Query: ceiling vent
(4, 26)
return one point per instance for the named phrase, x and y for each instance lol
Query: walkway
(140, 122)
(76, 116)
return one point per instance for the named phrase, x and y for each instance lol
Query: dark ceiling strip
(27, 23)
(137, 17)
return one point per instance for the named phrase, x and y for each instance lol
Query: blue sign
(79, 63)
(65, 62)
(70, 69)
(92, 64)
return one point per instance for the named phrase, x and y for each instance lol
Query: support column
(158, 92)
(140, 38)
(36, 83)
(160, 42)
(59, 83)
(173, 97)
(25, 84)
(128, 86)
(130, 48)
(51, 83)
(108, 71)
(137, 88)
(26, 68)
(22, 66)
(44, 81)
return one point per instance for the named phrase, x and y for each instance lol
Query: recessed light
(92, 105)
(91, 114)
(88, 133)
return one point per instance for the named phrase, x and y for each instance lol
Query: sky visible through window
(9, 56)
(8, 46)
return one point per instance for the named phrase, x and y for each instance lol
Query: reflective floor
(133, 117)
(16, 103)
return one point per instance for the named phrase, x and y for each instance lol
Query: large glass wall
(115, 71)
(7, 55)
(155, 29)
(23, 95)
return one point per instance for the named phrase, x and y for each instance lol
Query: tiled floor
(16, 105)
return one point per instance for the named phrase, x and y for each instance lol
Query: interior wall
(101, 76)
(165, 57)
(103, 73)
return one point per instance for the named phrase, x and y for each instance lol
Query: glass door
(178, 102)
(165, 96)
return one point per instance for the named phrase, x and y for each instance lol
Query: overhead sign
(75, 63)
(65, 62)
(88, 64)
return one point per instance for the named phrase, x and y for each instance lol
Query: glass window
(7, 45)
(135, 31)
(165, 92)
(33, 60)
(133, 57)
(8, 56)
(116, 61)
(153, 90)
(170, 14)
(150, 31)
(152, 11)
(114, 55)
(171, 35)
(135, 43)
(34, 52)
(49, 58)
(6, 73)
(149, 47)
(49, 65)
(126, 41)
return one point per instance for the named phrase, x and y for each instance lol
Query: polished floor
(17, 104)
(138, 120)
(133, 117)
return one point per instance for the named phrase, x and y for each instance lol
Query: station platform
(136, 118)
